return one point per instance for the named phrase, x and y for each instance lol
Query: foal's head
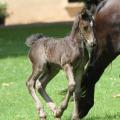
(84, 28)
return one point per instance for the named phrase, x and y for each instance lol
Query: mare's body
(107, 21)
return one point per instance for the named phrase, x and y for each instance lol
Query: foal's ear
(83, 11)
(84, 14)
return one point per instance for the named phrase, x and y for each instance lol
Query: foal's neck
(75, 32)
(76, 41)
(74, 28)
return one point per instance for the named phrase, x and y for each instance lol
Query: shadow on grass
(106, 117)
(12, 38)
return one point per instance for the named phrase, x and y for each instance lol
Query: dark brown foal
(49, 55)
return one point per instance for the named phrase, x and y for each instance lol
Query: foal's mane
(83, 14)
(76, 22)
(75, 27)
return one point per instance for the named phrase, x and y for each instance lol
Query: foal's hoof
(58, 113)
(75, 118)
(43, 118)
(42, 115)
(58, 119)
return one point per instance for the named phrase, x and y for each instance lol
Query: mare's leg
(71, 87)
(37, 70)
(41, 84)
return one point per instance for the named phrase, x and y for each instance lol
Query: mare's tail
(31, 39)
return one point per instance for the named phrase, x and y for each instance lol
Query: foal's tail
(31, 39)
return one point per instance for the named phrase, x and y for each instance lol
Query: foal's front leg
(71, 87)
(76, 96)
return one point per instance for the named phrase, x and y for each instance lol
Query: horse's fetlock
(29, 84)
(71, 87)
(38, 85)
(76, 97)
(75, 117)
(63, 106)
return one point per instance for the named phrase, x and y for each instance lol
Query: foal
(49, 55)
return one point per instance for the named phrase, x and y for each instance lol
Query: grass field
(16, 103)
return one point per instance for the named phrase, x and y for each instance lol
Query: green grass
(16, 103)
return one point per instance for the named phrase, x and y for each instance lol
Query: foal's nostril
(93, 44)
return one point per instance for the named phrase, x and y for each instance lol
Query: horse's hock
(29, 11)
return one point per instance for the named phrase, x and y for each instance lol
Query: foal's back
(54, 50)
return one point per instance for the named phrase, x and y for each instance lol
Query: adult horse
(107, 21)
(92, 4)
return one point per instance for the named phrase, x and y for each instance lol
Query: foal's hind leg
(37, 70)
(41, 84)
(71, 87)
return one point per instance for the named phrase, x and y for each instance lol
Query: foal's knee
(30, 85)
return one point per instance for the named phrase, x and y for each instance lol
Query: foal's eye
(85, 28)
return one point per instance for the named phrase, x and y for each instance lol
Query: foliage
(3, 7)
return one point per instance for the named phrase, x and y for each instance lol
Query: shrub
(3, 7)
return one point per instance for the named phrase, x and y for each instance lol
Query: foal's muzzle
(93, 44)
